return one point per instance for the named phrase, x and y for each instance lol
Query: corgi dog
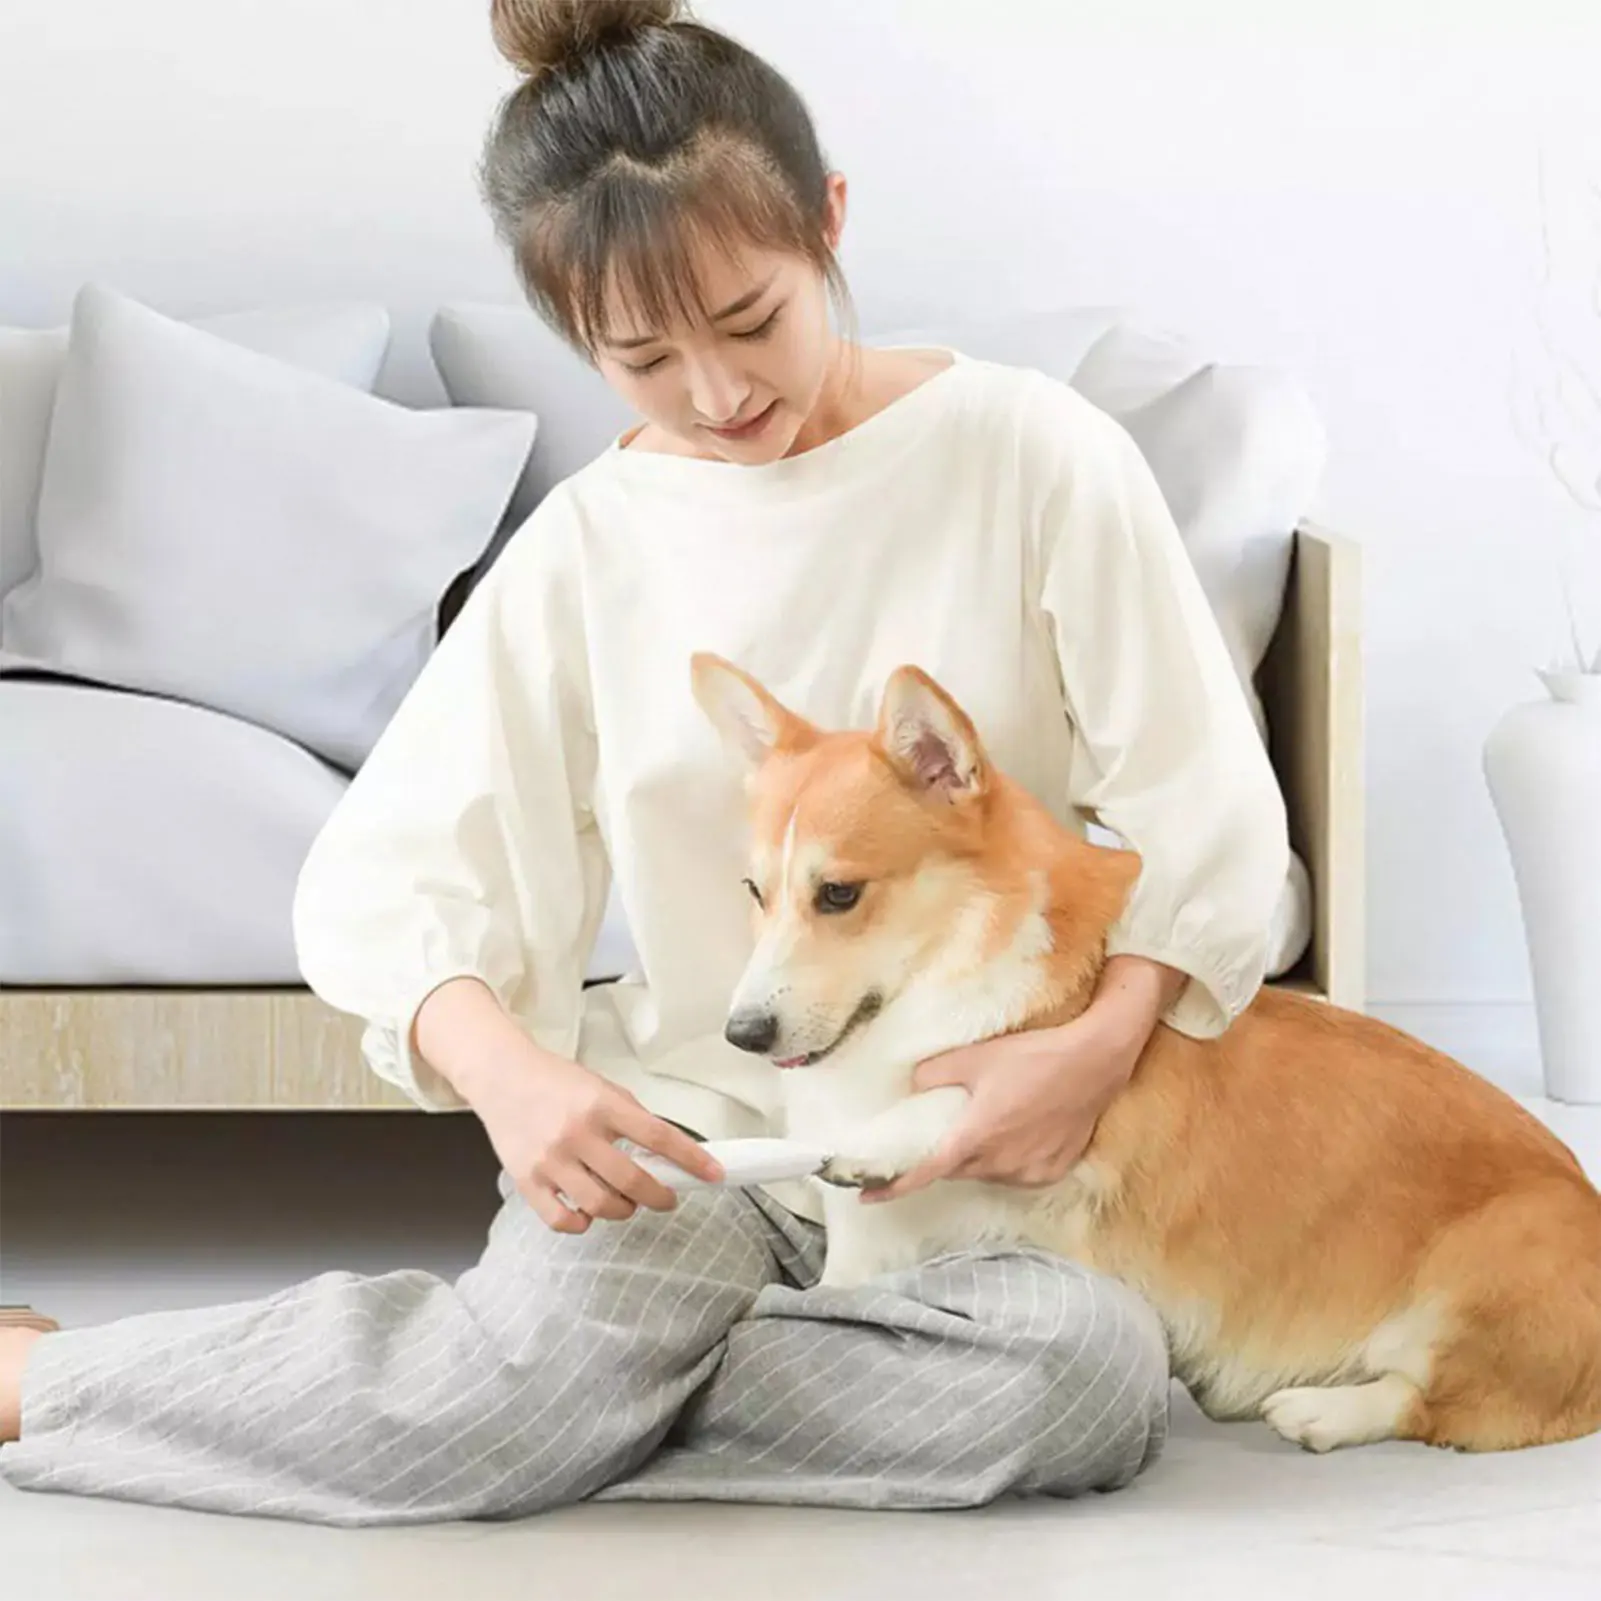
(1343, 1231)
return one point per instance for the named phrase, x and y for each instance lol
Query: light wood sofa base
(283, 1049)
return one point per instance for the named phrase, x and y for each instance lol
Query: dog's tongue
(788, 1061)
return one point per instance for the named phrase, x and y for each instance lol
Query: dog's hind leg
(1519, 1360)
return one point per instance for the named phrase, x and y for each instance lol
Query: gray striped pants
(687, 1355)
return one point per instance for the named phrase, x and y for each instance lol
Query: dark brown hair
(637, 138)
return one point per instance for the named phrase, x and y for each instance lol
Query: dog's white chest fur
(860, 1105)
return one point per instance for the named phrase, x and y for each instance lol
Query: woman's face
(741, 384)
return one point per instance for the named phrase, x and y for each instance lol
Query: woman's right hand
(554, 1125)
(552, 1122)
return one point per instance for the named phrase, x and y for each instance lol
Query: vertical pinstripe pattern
(685, 1356)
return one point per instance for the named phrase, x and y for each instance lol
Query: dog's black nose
(752, 1030)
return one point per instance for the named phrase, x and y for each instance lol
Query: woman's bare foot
(15, 1344)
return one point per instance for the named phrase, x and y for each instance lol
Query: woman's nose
(717, 394)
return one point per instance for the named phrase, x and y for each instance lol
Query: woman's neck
(841, 401)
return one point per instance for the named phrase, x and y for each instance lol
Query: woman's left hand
(1036, 1096)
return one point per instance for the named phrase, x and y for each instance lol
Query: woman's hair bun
(537, 35)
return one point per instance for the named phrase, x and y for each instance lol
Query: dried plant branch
(1559, 420)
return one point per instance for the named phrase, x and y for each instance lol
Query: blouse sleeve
(1166, 751)
(466, 843)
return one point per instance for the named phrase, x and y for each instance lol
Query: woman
(820, 513)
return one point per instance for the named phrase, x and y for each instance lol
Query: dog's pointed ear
(753, 724)
(929, 739)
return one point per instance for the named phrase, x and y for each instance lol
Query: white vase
(1543, 765)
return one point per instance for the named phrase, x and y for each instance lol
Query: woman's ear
(834, 209)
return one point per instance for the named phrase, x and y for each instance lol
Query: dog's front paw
(857, 1173)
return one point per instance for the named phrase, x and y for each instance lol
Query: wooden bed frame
(283, 1049)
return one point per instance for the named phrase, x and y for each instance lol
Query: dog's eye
(755, 894)
(838, 897)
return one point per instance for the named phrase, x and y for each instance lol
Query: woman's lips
(750, 429)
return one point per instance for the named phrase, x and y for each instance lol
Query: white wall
(1352, 195)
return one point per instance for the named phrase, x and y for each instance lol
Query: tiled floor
(110, 1216)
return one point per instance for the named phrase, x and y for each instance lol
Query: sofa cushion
(221, 527)
(505, 357)
(1239, 451)
(343, 342)
(144, 840)
(148, 841)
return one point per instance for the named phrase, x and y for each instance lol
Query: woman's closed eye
(762, 330)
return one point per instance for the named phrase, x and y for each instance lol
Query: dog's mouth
(871, 1004)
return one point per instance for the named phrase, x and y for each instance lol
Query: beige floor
(109, 1216)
